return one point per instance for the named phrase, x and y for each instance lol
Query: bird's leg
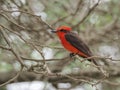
(72, 58)
(72, 55)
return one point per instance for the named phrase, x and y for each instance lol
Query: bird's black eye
(62, 30)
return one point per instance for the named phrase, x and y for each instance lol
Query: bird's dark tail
(96, 64)
(94, 61)
(90, 59)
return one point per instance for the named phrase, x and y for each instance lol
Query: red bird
(73, 43)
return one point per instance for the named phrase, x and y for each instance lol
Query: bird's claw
(72, 55)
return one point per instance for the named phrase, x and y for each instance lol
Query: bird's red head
(62, 30)
(65, 28)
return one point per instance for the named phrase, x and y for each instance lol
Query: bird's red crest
(64, 28)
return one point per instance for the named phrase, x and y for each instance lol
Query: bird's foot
(72, 55)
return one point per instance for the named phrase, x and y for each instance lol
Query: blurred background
(31, 56)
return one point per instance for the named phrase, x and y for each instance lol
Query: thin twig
(78, 7)
(6, 48)
(38, 17)
(12, 49)
(88, 13)
(41, 60)
(12, 79)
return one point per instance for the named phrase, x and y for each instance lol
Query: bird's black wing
(75, 41)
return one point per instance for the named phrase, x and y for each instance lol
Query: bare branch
(87, 14)
(12, 79)
(12, 49)
(6, 48)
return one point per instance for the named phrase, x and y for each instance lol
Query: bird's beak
(54, 31)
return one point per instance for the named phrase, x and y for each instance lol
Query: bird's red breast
(71, 48)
